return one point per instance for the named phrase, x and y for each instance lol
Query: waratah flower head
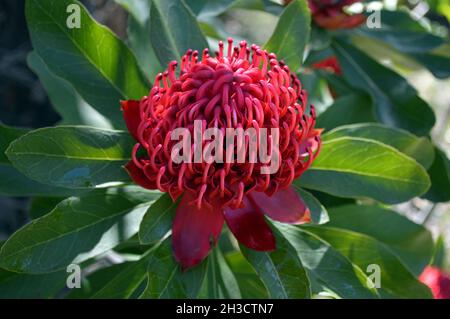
(330, 14)
(240, 87)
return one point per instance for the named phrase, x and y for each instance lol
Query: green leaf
(329, 200)
(157, 221)
(66, 101)
(396, 102)
(98, 65)
(419, 148)
(13, 182)
(124, 281)
(7, 135)
(165, 278)
(210, 8)
(249, 282)
(326, 265)
(95, 281)
(24, 286)
(402, 20)
(362, 250)
(281, 270)
(404, 40)
(440, 178)
(139, 9)
(412, 243)
(347, 109)
(78, 228)
(357, 167)
(138, 31)
(72, 156)
(291, 34)
(439, 253)
(43, 205)
(220, 282)
(174, 30)
(196, 5)
(206, 9)
(319, 214)
(438, 65)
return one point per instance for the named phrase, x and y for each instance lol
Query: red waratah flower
(330, 14)
(438, 281)
(239, 88)
(330, 64)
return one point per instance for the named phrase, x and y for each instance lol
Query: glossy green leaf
(412, 243)
(165, 278)
(138, 31)
(357, 167)
(328, 200)
(438, 65)
(405, 40)
(395, 279)
(291, 34)
(7, 135)
(77, 229)
(210, 8)
(124, 281)
(42, 205)
(13, 182)
(220, 282)
(419, 148)
(157, 221)
(250, 284)
(269, 6)
(326, 265)
(66, 101)
(206, 9)
(281, 270)
(439, 253)
(347, 109)
(319, 214)
(440, 178)
(72, 156)
(139, 9)
(396, 102)
(91, 58)
(196, 5)
(174, 30)
(402, 20)
(23, 286)
(95, 281)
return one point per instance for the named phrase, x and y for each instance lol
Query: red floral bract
(438, 281)
(329, 14)
(240, 87)
(330, 64)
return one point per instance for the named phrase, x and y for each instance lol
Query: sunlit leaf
(291, 34)
(412, 243)
(77, 229)
(396, 103)
(91, 58)
(72, 156)
(357, 167)
(419, 148)
(174, 30)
